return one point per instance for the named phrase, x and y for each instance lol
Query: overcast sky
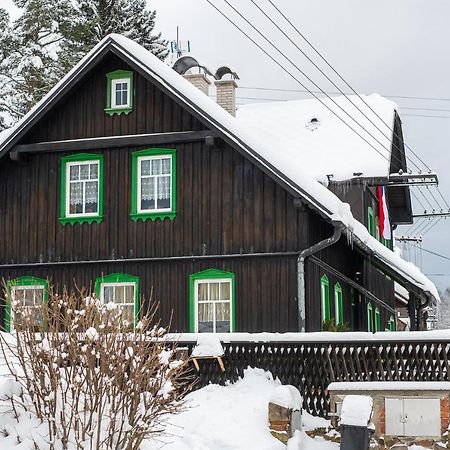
(394, 48)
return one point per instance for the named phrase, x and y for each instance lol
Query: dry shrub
(92, 380)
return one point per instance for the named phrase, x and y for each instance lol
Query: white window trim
(337, 306)
(113, 93)
(120, 284)
(79, 163)
(214, 280)
(24, 287)
(139, 183)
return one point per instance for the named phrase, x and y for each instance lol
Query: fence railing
(312, 366)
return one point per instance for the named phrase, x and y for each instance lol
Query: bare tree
(92, 380)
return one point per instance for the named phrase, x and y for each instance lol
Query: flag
(383, 213)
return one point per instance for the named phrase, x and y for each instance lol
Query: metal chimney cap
(225, 70)
(186, 62)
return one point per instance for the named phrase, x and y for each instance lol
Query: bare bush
(92, 380)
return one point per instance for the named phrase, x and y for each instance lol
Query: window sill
(135, 217)
(80, 220)
(118, 111)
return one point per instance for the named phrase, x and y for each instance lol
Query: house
(128, 180)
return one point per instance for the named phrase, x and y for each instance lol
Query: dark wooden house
(127, 180)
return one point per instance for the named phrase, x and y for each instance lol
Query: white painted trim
(113, 93)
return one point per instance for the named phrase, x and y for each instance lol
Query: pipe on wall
(301, 288)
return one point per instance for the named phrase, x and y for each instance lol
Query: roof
(269, 155)
(315, 138)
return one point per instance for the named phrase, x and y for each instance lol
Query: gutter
(301, 297)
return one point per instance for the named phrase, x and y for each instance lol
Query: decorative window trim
(18, 282)
(81, 157)
(369, 317)
(119, 278)
(210, 274)
(338, 304)
(377, 319)
(392, 325)
(325, 298)
(370, 221)
(111, 77)
(135, 183)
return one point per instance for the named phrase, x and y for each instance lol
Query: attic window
(119, 92)
(313, 124)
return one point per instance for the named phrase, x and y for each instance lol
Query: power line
(425, 115)
(434, 253)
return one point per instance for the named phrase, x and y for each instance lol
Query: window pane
(156, 167)
(120, 294)
(223, 317)
(38, 296)
(225, 291)
(147, 193)
(163, 192)
(202, 291)
(108, 294)
(165, 170)
(74, 172)
(145, 167)
(91, 201)
(93, 171)
(128, 313)
(205, 318)
(76, 198)
(129, 294)
(84, 172)
(214, 291)
(124, 95)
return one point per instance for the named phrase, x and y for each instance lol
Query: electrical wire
(433, 253)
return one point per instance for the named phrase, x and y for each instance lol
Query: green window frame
(369, 317)
(120, 280)
(392, 325)
(209, 278)
(148, 156)
(370, 221)
(338, 304)
(118, 82)
(80, 160)
(26, 283)
(377, 319)
(325, 298)
(377, 230)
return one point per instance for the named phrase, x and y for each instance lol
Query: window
(325, 298)
(338, 304)
(377, 230)
(82, 188)
(119, 92)
(370, 221)
(212, 305)
(377, 319)
(369, 317)
(30, 293)
(392, 323)
(122, 290)
(153, 193)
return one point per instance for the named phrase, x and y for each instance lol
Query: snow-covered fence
(312, 361)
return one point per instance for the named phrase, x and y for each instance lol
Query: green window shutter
(338, 304)
(325, 298)
(369, 317)
(111, 77)
(18, 282)
(117, 279)
(152, 213)
(377, 319)
(78, 159)
(370, 221)
(205, 277)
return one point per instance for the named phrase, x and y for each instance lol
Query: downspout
(301, 270)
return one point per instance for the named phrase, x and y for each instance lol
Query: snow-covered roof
(270, 155)
(315, 139)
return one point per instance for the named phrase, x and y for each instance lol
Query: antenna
(179, 48)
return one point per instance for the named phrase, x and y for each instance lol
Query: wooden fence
(312, 366)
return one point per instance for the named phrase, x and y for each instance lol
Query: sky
(392, 48)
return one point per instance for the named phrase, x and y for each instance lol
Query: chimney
(226, 89)
(199, 80)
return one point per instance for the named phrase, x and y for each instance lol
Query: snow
(327, 146)
(356, 410)
(322, 336)
(272, 154)
(207, 345)
(288, 397)
(390, 386)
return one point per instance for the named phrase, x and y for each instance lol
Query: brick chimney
(199, 80)
(226, 89)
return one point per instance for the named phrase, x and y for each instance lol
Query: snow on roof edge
(314, 192)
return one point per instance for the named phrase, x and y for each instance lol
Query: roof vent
(313, 124)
